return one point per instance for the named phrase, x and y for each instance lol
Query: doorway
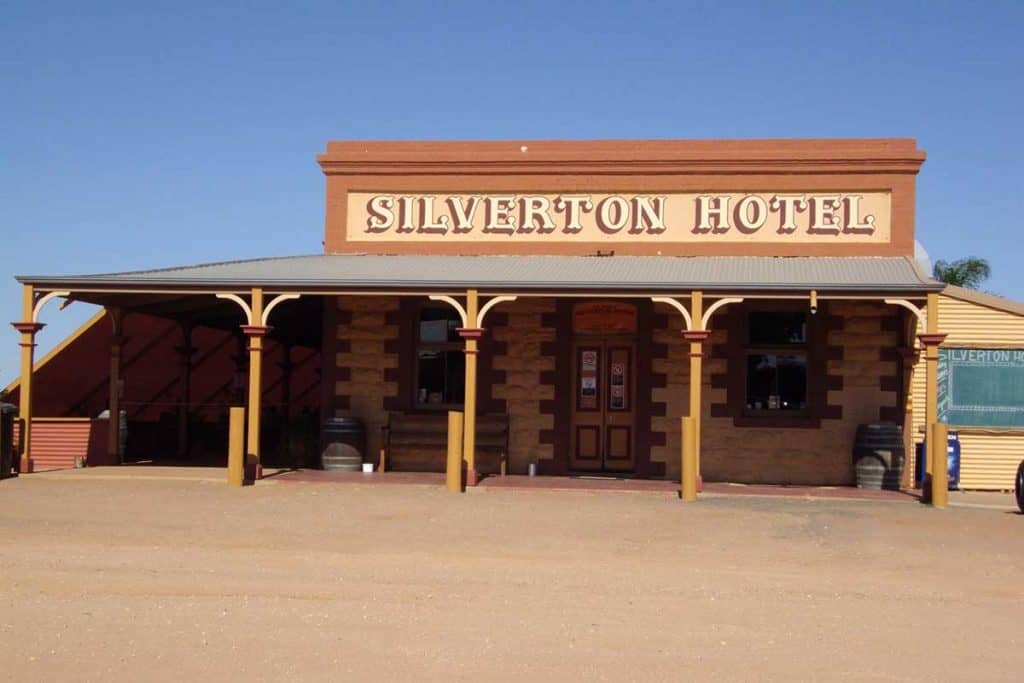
(603, 434)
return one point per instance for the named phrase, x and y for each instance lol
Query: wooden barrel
(878, 456)
(343, 444)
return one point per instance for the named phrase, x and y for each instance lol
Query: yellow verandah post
(236, 446)
(453, 469)
(697, 336)
(688, 480)
(27, 328)
(939, 436)
(255, 331)
(471, 333)
(930, 340)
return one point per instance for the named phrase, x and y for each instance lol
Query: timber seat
(423, 437)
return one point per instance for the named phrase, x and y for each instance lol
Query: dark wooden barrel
(878, 456)
(342, 444)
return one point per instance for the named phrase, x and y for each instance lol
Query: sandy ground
(171, 578)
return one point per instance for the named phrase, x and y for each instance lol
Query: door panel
(588, 445)
(618, 450)
(603, 405)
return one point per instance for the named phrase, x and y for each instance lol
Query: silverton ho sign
(591, 217)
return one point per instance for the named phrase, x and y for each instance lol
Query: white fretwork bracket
(41, 301)
(678, 306)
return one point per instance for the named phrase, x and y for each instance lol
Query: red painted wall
(56, 442)
(75, 383)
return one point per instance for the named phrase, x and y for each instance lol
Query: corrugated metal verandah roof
(622, 273)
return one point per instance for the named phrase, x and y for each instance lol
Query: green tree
(966, 272)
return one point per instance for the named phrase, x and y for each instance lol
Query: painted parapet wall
(665, 197)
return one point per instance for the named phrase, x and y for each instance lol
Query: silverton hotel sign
(862, 217)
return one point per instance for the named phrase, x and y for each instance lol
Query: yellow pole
(256, 331)
(453, 472)
(236, 446)
(939, 436)
(696, 364)
(471, 334)
(27, 328)
(114, 402)
(688, 479)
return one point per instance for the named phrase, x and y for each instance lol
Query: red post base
(26, 465)
(472, 479)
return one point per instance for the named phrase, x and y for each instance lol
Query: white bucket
(367, 467)
(532, 470)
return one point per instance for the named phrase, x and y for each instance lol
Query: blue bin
(952, 461)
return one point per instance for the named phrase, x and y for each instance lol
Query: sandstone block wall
(862, 369)
(366, 362)
(520, 371)
(674, 367)
(862, 383)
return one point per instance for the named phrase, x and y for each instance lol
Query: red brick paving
(589, 484)
(359, 478)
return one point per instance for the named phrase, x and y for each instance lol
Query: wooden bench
(429, 431)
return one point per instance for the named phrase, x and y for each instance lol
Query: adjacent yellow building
(975, 320)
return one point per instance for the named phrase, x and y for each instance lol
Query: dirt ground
(171, 578)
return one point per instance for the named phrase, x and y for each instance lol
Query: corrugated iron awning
(571, 273)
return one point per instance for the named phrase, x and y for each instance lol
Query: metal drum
(878, 456)
(342, 444)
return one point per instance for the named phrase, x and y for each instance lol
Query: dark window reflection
(776, 382)
(778, 329)
(439, 325)
(440, 360)
(441, 377)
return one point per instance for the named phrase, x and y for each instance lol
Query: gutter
(80, 284)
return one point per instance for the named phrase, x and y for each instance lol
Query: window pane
(776, 329)
(439, 325)
(441, 376)
(776, 382)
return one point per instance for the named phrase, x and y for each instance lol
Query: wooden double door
(603, 434)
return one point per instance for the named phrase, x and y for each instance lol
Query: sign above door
(603, 317)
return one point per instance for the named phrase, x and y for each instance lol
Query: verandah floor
(586, 483)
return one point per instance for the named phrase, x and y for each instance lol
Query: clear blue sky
(145, 134)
